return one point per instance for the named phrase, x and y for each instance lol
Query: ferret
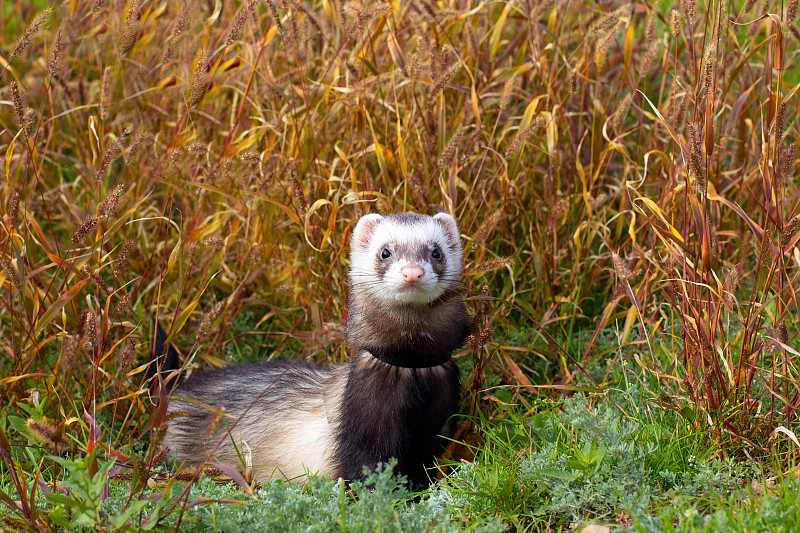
(394, 399)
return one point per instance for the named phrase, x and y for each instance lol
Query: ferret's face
(405, 259)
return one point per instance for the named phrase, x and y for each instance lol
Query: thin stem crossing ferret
(394, 398)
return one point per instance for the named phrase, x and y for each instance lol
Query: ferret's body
(393, 399)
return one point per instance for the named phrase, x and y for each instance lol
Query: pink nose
(412, 273)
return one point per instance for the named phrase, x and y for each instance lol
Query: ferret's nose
(412, 273)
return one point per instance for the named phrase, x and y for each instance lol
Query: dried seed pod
(39, 20)
(13, 275)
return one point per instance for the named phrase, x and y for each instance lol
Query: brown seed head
(39, 20)
(101, 284)
(449, 151)
(69, 349)
(215, 243)
(200, 79)
(124, 305)
(217, 414)
(19, 107)
(204, 330)
(13, 275)
(620, 267)
(104, 85)
(505, 96)
(486, 228)
(143, 138)
(181, 26)
(276, 17)
(13, 210)
(789, 231)
(521, 137)
(122, 259)
(448, 75)
(90, 325)
(765, 253)
(108, 207)
(56, 52)
(81, 233)
(126, 357)
(675, 23)
(618, 117)
(108, 157)
(238, 23)
(791, 11)
(130, 27)
(689, 10)
(788, 161)
(489, 266)
(42, 431)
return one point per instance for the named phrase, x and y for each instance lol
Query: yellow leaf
(497, 29)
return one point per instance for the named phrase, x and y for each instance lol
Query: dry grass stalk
(13, 210)
(11, 272)
(200, 79)
(122, 259)
(19, 107)
(490, 266)
(791, 11)
(104, 89)
(109, 155)
(276, 17)
(485, 229)
(108, 207)
(143, 138)
(24, 115)
(675, 23)
(505, 96)
(788, 164)
(86, 226)
(449, 151)
(618, 117)
(101, 284)
(180, 27)
(689, 8)
(90, 327)
(43, 431)
(789, 231)
(238, 23)
(522, 136)
(130, 27)
(448, 75)
(204, 330)
(124, 305)
(69, 351)
(39, 20)
(297, 193)
(56, 53)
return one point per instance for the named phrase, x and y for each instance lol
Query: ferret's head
(405, 259)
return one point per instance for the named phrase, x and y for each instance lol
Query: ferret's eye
(436, 254)
(386, 254)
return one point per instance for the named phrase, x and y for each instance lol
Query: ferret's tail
(163, 359)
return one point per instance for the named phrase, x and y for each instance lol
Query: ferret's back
(286, 411)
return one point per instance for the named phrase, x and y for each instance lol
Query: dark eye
(436, 254)
(386, 254)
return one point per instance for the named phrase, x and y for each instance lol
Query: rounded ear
(364, 230)
(451, 229)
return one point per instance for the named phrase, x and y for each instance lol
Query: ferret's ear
(364, 230)
(451, 229)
